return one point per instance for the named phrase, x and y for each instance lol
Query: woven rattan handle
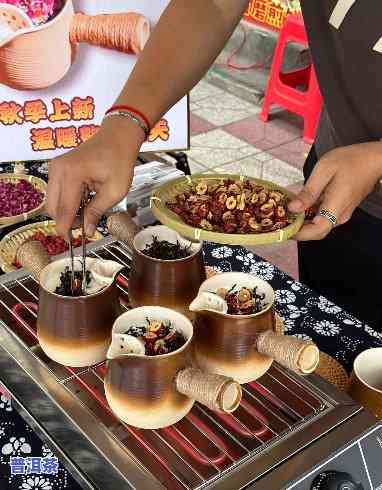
(122, 226)
(127, 32)
(298, 355)
(33, 256)
(212, 390)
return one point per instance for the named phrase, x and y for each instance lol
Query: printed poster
(62, 65)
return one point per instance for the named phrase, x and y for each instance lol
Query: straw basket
(39, 184)
(169, 190)
(11, 242)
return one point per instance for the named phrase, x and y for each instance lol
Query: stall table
(306, 315)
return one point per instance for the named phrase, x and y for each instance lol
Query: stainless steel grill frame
(102, 453)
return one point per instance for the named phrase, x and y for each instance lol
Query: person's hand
(340, 181)
(104, 164)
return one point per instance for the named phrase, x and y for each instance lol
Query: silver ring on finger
(329, 216)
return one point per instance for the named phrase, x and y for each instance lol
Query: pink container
(36, 57)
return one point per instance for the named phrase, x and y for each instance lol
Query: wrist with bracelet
(132, 114)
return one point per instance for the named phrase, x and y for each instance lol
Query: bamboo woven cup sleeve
(212, 390)
(298, 355)
(33, 256)
(122, 226)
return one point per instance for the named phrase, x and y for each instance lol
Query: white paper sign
(41, 123)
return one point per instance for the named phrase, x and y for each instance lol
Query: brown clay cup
(169, 283)
(73, 331)
(366, 380)
(151, 392)
(244, 346)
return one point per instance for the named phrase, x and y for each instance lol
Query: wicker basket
(11, 242)
(169, 190)
(39, 184)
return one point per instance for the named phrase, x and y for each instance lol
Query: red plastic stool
(281, 87)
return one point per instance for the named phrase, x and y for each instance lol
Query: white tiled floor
(217, 148)
(249, 166)
(223, 110)
(281, 172)
(204, 89)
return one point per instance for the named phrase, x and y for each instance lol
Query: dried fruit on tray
(242, 301)
(18, 198)
(54, 244)
(230, 206)
(158, 337)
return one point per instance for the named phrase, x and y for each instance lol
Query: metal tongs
(81, 214)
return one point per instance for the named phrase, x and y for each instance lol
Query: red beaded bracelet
(133, 110)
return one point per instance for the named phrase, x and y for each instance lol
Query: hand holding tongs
(84, 200)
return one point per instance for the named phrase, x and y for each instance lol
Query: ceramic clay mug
(36, 57)
(366, 380)
(73, 331)
(169, 283)
(151, 392)
(244, 346)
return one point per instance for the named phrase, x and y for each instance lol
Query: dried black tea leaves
(65, 286)
(164, 250)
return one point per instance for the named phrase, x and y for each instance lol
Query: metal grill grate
(204, 445)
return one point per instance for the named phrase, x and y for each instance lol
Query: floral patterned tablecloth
(306, 315)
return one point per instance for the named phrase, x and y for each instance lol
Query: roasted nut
(276, 196)
(255, 226)
(266, 224)
(279, 225)
(247, 195)
(222, 292)
(230, 227)
(213, 188)
(254, 198)
(160, 347)
(280, 212)
(231, 203)
(204, 198)
(203, 211)
(247, 305)
(263, 197)
(228, 216)
(231, 206)
(171, 335)
(234, 189)
(155, 326)
(265, 208)
(206, 225)
(222, 197)
(150, 336)
(241, 202)
(244, 295)
(201, 188)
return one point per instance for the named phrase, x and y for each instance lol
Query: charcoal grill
(285, 427)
